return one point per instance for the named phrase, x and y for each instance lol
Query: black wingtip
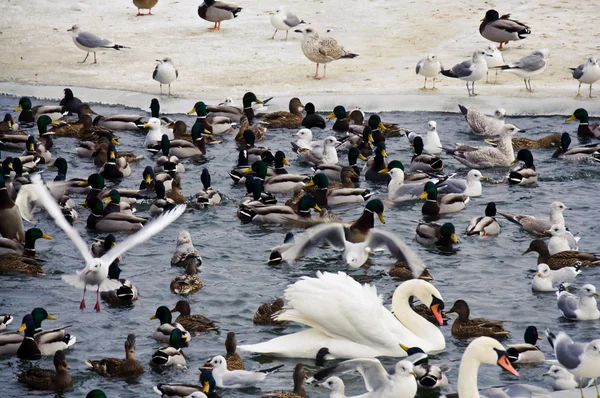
(463, 109)
(271, 370)
(448, 73)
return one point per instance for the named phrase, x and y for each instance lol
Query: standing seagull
(217, 11)
(165, 73)
(588, 73)
(429, 68)
(501, 29)
(95, 272)
(321, 49)
(90, 42)
(284, 20)
(532, 65)
(470, 70)
(494, 58)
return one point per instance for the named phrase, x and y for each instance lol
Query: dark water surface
(488, 272)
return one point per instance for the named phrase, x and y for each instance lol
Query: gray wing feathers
(291, 20)
(568, 353)
(568, 304)
(463, 69)
(330, 232)
(530, 63)
(452, 186)
(578, 72)
(92, 41)
(419, 66)
(399, 249)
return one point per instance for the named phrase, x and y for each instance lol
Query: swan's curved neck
(467, 376)
(408, 317)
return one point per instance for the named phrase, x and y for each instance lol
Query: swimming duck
(249, 101)
(312, 119)
(46, 379)
(18, 142)
(298, 392)
(12, 224)
(377, 164)
(258, 130)
(115, 205)
(464, 327)
(255, 194)
(205, 390)
(184, 149)
(264, 313)
(81, 128)
(422, 162)
(582, 152)
(217, 11)
(171, 355)
(89, 132)
(8, 125)
(69, 102)
(334, 171)
(547, 141)
(96, 394)
(502, 29)
(124, 294)
(7, 168)
(330, 197)
(441, 204)
(115, 168)
(342, 123)
(215, 124)
(318, 155)
(563, 259)
(254, 152)
(111, 222)
(120, 122)
(76, 185)
(155, 112)
(524, 174)
(277, 214)
(234, 361)
(429, 234)
(259, 108)
(283, 119)
(163, 332)
(207, 196)
(117, 367)
(585, 129)
(31, 114)
(168, 162)
(357, 122)
(401, 271)
(162, 203)
(428, 376)
(16, 257)
(29, 348)
(175, 193)
(359, 229)
(485, 225)
(277, 183)
(377, 129)
(187, 283)
(527, 352)
(37, 150)
(192, 323)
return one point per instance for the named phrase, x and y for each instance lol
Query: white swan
(350, 320)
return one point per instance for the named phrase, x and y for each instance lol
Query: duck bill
(148, 179)
(384, 171)
(317, 208)
(405, 348)
(285, 161)
(381, 127)
(18, 108)
(362, 157)
(423, 195)
(503, 362)
(153, 317)
(45, 236)
(381, 217)
(205, 387)
(309, 184)
(258, 101)
(107, 200)
(569, 119)
(437, 313)
(192, 111)
(22, 328)
(515, 160)
(247, 170)
(329, 117)
(51, 317)
(453, 238)
(53, 123)
(384, 153)
(115, 141)
(207, 132)
(525, 252)
(83, 183)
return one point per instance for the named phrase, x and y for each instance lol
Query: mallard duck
(162, 203)
(400, 270)
(585, 129)
(276, 258)
(563, 259)
(359, 229)
(318, 155)
(37, 150)
(16, 257)
(502, 29)
(286, 120)
(264, 313)
(34, 345)
(96, 394)
(168, 163)
(547, 141)
(207, 196)
(12, 224)
(256, 193)
(171, 355)
(46, 379)
(582, 152)
(111, 222)
(120, 122)
(312, 119)
(124, 294)
(31, 114)
(28, 249)
(334, 171)
(163, 332)
(254, 152)
(81, 128)
(464, 327)
(422, 162)
(277, 214)
(188, 282)
(175, 193)
(115, 168)
(117, 367)
(330, 197)
(205, 390)
(182, 149)
(441, 204)
(8, 125)
(277, 183)
(485, 225)
(524, 174)
(298, 392)
(258, 130)
(76, 185)
(341, 124)
(249, 100)
(426, 312)
(215, 124)
(357, 122)
(115, 205)
(527, 352)
(180, 131)
(377, 164)
(217, 11)
(5, 320)
(234, 361)
(18, 142)
(192, 323)
(429, 234)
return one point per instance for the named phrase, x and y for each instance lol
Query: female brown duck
(116, 367)
(46, 379)
(465, 327)
(192, 323)
(288, 120)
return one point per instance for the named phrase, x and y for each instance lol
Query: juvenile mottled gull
(321, 50)
(90, 42)
(588, 73)
(284, 20)
(429, 68)
(584, 308)
(532, 65)
(482, 124)
(469, 71)
(165, 73)
(501, 29)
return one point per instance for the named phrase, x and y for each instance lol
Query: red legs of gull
(82, 304)
(97, 306)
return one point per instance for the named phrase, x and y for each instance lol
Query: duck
(163, 332)
(184, 149)
(9, 125)
(217, 11)
(470, 187)
(258, 130)
(118, 367)
(298, 392)
(441, 204)
(120, 122)
(115, 168)
(69, 102)
(115, 205)
(312, 120)
(5, 320)
(81, 128)
(89, 132)
(174, 193)
(524, 174)
(485, 225)
(255, 194)
(464, 327)
(341, 124)
(12, 224)
(428, 376)
(46, 379)
(249, 104)
(193, 323)
(30, 114)
(585, 129)
(234, 361)
(502, 29)
(168, 163)
(376, 164)
(127, 293)
(361, 141)
(37, 151)
(254, 152)
(18, 142)
(100, 150)
(546, 142)
(401, 271)
(259, 108)
(326, 197)
(185, 251)
(424, 162)
(285, 120)
(162, 203)
(76, 185)
(171, 355)
(319, 155)
(187, 283)
(334, 171)
(15, 257)
(112, 222)
(215, 124)
(582, 152)
(277, 214)
(527, 352)
(357, 121)
(29, 347)
(358, 229)
(205, 390)
(207, 196)
(277, 183)
(429, 234)
(264, 313)
(563, 259)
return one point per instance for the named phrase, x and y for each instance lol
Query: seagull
(558, 242)
(165, 73)
(564, 380)
(469, 71)
(355, 254)
(429, 68)
(284, 20)
(546, 280)
(95, 272)
(482, 124)
(321, 50)
(584, 309)
(237, 378)
(527, 67)
(581, 359)
(588, 73)
(90, 42)
(494, 58)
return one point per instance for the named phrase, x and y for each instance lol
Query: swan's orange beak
(438, 314)
(503, 362)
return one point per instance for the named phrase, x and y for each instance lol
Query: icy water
(489, 273)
